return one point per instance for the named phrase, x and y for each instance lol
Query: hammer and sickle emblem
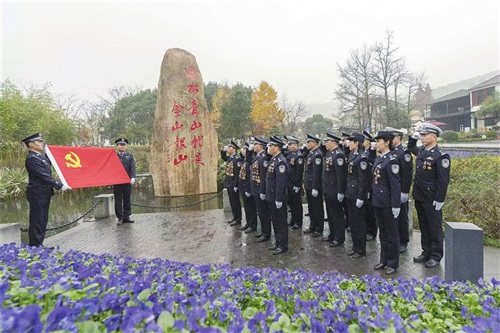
(73, 161)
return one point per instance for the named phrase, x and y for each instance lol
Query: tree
(266, 113)
(490, 107)
(317, 125)
(218, 100)
(210, 91)
(235, 112)
(293, 115)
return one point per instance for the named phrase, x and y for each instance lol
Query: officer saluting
(40, 188)
(123, 192)
(276, 194)
(432, 177)
(233, 165)
(312, 185)
(296, 164)
(406, 174)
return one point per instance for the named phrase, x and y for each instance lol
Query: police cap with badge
(292, 139)
(394, 131)
(310, 138)
(428, 128)
(368, 136)
(121, 141)
(275, 141)
(233, 144)
(32, 138)
(261, 141)
(355, 136)
(331, 137)
(386, 135)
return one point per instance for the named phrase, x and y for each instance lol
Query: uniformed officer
(233, 165)
(276, 194)
(295, 171)
(386, 201)
(356, 193)
(370, 148)
(40, 188)
(406, 174)
(432, 177)
(123, 192)
(344, 145)
(334, 186)
(258, 187)
(312, 185)
(249, 204)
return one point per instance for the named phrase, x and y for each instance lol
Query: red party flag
(80, 167)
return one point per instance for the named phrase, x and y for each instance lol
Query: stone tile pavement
(203, 237)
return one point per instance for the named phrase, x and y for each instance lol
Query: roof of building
(488, 83)
(456, 94)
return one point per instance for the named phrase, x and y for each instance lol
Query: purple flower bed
(45, 291)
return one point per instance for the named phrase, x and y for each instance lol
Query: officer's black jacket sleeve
(281, 180)
(363, 178)
(406, 171)
(317, 172)
(223, 155)
(299, 170)
(304, 151)
(36, 167)
(443, 166)
(237, 165)
(412, 146)
(372, 154)
(395, 182)
(323, 149)
(262, 171)
(341, 173)
(132, 167)
(250, 156)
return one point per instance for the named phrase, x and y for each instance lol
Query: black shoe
(279, 251)
(307, 214)
(257, 235)
(128, 221)
(230, 221)
(370, 237)
(350, 252)
(379, 266)
(232, 224)
(120, 221)
(402, 248)
(308, 231)
(262, 239)
(272, 247)
(390, 270)
(431, 263)
(335, 243)
(290, 224)
(249, 230)
(244, 227)
(296, 226)
(420, 258)
(357, 255)
(317, 234)
(326, 239)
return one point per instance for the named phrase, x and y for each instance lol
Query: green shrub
(491, 134)
(141, 156)
(450, 136)
(12, 182)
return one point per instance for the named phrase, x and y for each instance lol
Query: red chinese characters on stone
(177, 126)
(197, 141)
(195, 125)
(193, 88)
(180, 159)
(190, 73)
(194, 108)
(197, 159)
(179, 143)
(177, 108)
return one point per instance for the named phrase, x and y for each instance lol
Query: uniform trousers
(316, 213)
(371, 222)
(278, 217)
(123, 206)
(336, 219)
(431, 230)
(250, 211)
(389, 237)
(295, 204)
(264, 217)
(358, 226)
(39, 217)
(234, 201)
(404, 225)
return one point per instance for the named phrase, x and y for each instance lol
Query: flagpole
(55, 165)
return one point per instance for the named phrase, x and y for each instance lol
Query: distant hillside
(465, 84)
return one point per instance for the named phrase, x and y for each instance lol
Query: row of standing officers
(362, 191)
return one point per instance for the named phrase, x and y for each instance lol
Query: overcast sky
(85, 48)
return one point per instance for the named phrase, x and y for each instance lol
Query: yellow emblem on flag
(73, 161)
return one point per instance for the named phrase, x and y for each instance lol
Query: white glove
(132, 181)
(278, 204)
(404, 197)
(250, 147)
(347, 143)
(314, 193)
(340, 197)
(437, 205)
(235, 189)
(65, 188)
(262, 196)
(416, 135)
(296, 189)
(248, 194)
(285, 146)
(373, 145)
(395, 212)
(225, 148)
(359, 203)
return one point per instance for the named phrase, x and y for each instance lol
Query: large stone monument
(184, 142)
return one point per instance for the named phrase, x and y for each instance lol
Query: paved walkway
(203, 237)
